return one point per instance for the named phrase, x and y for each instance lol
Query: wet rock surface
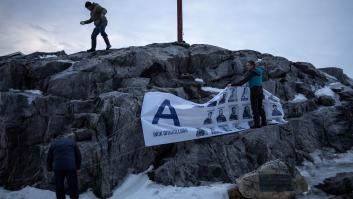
(341, 185)
(96, 98)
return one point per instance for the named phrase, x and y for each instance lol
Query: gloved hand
(82, 22)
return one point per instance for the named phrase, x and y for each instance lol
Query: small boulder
(346, 94)
(326, 101)
(274, 179)
(234, 193)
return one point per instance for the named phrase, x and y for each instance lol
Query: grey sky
(316, 31)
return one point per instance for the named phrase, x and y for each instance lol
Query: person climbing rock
(254, 77)
(100, 21)
(64, 158)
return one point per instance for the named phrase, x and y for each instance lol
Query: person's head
(221, 111)
(234, 110)
(250, 65)
(209, 114)
(89, 5)
(274, 106)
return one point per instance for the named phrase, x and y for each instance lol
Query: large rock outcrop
(96, 98)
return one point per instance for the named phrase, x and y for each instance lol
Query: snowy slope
(326, 164)
(135, 187)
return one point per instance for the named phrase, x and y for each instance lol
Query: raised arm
(246, 79)
(88, 21)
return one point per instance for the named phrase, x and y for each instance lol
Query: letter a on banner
(172, 116)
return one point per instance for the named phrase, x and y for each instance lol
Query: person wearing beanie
(100, 21)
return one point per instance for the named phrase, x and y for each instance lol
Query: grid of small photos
(232, 110)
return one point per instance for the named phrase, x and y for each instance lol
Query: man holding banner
(167, 118)
(254, 77)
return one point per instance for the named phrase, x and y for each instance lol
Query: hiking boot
(106, 40)
(93, 45)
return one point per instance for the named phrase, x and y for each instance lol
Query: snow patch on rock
(199, 80)
(325, 91)
(329, 77)
(47, 56)
(140, 187)
(211, 89)
(65, 61)
(136, 186)
(63, 73)
(299, 98)
(30, 94)
(336, 86)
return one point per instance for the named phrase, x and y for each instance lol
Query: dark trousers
(71, 178)
(256, 97)
(100, 28)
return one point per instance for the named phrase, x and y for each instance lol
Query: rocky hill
(97, 97)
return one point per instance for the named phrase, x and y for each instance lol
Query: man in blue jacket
(254, 77)
(64, 158)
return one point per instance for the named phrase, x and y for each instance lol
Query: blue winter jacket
(254, 78)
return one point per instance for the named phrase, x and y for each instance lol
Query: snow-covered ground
(138, 186)
(34, 193)
(135, 187)
(326, 164)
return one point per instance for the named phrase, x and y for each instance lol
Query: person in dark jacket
(64, 158)
(254, 77)
(100, 21)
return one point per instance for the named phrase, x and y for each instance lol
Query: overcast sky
(316, 31)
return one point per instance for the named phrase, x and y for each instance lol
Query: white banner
(167, 118)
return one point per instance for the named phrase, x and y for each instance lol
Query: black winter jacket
(64, 154)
